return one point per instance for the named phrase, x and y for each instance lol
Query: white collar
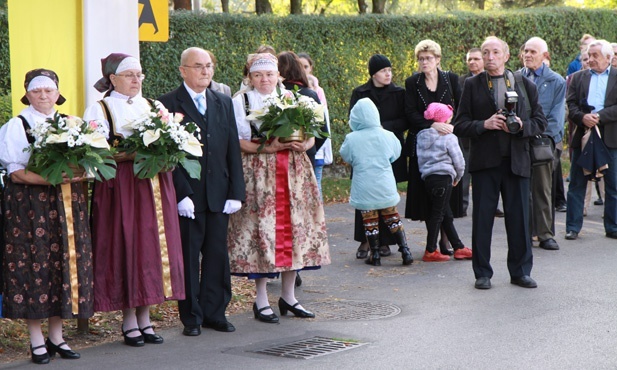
(193, 94)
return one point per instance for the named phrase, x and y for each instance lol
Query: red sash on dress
(284, 237)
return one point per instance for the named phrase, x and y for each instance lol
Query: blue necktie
(201, 104)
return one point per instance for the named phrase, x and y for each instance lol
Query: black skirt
(36, 266)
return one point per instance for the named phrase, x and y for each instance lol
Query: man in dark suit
(499, 161)
(205, 204)
(592, 102)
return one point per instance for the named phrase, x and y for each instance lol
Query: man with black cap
(390, 100)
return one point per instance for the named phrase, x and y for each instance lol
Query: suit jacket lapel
(584, 86)
(213, 106)
(482, 79)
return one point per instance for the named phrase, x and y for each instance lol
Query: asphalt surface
(423, 316)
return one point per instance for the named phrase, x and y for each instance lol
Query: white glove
(186, 208)
(232, 206)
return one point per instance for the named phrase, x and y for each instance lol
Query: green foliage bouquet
(289, 113)
(160, 143)
(63, 144)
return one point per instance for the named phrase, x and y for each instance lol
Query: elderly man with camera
(499, 115)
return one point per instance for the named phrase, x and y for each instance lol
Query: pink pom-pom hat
(438, 112)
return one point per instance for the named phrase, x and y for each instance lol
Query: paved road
(423, 316)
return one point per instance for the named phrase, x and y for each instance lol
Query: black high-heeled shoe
(137, 341)
(64, 353)
(270, 319)
(39, 359)
(151, 338)
(298, 312)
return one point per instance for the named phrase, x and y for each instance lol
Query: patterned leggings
(389, 215)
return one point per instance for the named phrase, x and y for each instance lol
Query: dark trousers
(559, 195)
(466, 180)
(439, 189)
(487, 185)
(208, 284)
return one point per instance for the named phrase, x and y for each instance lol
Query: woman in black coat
(390, 101)
(428, 86)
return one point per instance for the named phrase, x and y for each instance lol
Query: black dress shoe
(524, 281)
(298, 279)
(445, 249)
(571, 235)
(362, 253)
(137, 341)
(151, 338)
(191, 330)
(561, 208)
(549, 244)
(499, 213)
(385, 251)
(612, 235)
(598, 202)
(64, 353)
(270, 319)
(223, 326)
(41, 359)
(298, 312)
(483, 283)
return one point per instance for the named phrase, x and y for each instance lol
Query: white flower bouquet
(66, 145)
(288, 113)
(160, 142)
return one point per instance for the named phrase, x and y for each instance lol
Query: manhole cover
(353, 310)
(309, 348)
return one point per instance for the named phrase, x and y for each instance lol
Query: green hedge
(341, 45)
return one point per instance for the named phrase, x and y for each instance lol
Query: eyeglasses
(426, 59)
(132, 76)
(201, 67)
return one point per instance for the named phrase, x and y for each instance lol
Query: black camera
(510, 112)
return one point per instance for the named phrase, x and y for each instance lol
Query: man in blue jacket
(552, 97)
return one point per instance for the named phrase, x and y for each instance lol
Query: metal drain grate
(353, 310)
(310, 348)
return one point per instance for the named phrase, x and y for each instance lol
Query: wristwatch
(598, 116)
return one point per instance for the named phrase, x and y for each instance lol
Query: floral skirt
(281, 227)
(132, 265)
(39, 274)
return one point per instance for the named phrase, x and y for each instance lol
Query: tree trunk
(362, 6)
(183, 4)
(263, 7)
(379, 6)
(225, 6)
(295, 7)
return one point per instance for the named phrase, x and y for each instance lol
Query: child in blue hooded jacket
(370, 150)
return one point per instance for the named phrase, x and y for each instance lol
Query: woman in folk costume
(40, 279)
(137, 248)
(281, 229)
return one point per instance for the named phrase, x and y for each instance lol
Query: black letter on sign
(147, 15)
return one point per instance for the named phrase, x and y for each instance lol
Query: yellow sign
(55, 43)
(153, 20)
